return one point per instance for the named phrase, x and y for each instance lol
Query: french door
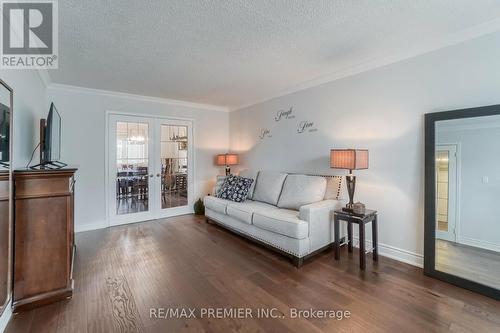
(149, 168)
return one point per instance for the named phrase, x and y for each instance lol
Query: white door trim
(193, 183)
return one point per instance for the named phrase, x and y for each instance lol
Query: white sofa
(291, 213)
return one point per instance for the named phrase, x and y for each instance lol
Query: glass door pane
(132, 167)
(442, 177)
(446, 187)
(174, 165)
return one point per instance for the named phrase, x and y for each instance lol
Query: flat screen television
(52, 136)
(4, 133)
(50, 140)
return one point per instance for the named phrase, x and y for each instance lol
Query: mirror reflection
(5, 204)
(467, 160)
(4, 128)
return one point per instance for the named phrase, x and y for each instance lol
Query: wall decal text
(265, 133)
(284, 114)
(306, 126)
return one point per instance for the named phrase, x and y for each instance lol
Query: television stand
(54, 165)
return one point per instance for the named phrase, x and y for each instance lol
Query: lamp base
(351, 185)
(228, 170)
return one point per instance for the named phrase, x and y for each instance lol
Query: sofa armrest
(320, 218)
(318, 210)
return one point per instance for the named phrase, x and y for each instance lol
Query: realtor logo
(29, 34)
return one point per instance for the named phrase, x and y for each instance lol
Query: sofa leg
(297, 262)
(207, 220)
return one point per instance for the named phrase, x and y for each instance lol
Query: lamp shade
(227, 159)
(350, 159)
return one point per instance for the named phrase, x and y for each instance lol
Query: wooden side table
(361, 220)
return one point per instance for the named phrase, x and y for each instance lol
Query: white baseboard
(395, 253)
(91, 226)
(5, 317)
(479, 243)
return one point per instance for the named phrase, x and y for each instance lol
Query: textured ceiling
(237, 52)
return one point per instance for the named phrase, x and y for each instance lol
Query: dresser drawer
(30, 187)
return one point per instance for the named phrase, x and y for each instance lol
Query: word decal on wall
(265, 133)
(284, 114)
(306, 126)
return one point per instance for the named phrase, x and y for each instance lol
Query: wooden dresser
(43, 237)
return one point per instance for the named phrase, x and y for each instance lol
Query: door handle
(158, 175)
(151, 175)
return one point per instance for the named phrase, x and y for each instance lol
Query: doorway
(150, 163)
(446, 198)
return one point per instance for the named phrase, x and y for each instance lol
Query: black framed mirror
(462, 193)
(6, 101)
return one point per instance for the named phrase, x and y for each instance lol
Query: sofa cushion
(282, 221)
(300, 190)
(216, 204)
(244, 211)
(268, 186)
(252, 174)
(235, 188)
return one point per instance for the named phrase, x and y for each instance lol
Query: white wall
(83, 135)
(381, 110)
(478, 223)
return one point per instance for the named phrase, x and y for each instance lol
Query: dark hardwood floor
(122, 272)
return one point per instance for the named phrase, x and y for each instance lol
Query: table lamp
(349, 159)
(227, 160)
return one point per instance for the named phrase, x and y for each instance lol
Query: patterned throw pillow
(218, 184)
(235, 188)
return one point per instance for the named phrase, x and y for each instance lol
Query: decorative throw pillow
(218, 184)
(235, 188)
(252, 174)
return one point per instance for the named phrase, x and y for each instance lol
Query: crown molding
(439, 43)
(108, 93)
